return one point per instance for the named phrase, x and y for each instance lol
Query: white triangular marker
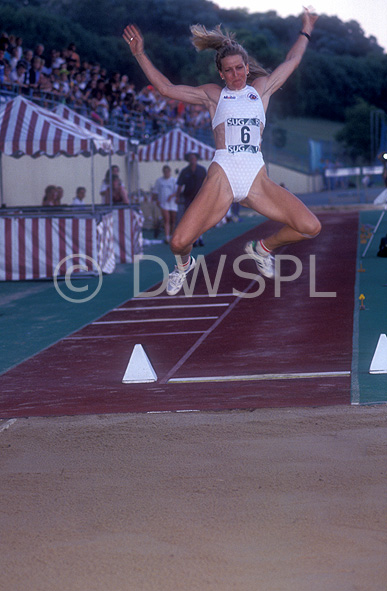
(139, 368)
(379, 360)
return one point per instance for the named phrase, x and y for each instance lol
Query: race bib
(243, 134)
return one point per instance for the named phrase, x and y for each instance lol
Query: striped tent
(27, 129)
(119, 143)
(174, 145)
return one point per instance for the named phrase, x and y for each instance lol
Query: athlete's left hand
(309, 18)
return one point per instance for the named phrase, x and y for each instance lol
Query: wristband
(305, 35)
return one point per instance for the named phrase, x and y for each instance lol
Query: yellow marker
(362, 298)
(360, 269)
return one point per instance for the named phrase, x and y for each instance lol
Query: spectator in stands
(39, 52)
(4, 45)
(116, 112)
(73, 55)
(19, 46)
(105, 185)
(27, 58)
(80, 194)
(7, 74)
(19, 76)
(14, 58)
(2, 65)
(49, 198)
(87, 89)
(61, 85)
(102, 106)
(119, 194)
(45, 84)
(165, 193)
(76, 93)
(146, 97)
(59, 197)
(93, 113)
(57, 61)
(113, 86)
(34, 72)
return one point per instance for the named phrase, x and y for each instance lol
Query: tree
(355, 134)
(341, 62)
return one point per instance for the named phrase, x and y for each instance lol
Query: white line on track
(7, 425)
(169, 307)
(163, 412)
(265, 376)
(129, 336)
(155, 320)
(196, 295)
(203, 337)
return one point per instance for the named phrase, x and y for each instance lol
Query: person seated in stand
(105, 185)
(50, 195)
(14, 59)
(18, 76)
(19, 46)
(59, 197)
(80, 194)
(119, 194)
(45, 84)
(28, 54)
(3, 63)
(34, 72)
(73, 56)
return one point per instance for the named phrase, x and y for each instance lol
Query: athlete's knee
(312, 228)
(178, 244)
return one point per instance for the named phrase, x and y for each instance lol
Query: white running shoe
(177, 278)
(265, 263)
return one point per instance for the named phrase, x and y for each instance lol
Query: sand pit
(270, 500)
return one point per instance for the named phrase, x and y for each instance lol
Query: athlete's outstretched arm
(187, 94)
(269, 84)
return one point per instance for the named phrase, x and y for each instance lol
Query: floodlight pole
(1, 181)
(92, 178)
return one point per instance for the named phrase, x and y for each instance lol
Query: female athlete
(237, 172)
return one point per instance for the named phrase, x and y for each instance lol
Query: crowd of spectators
(110, 99)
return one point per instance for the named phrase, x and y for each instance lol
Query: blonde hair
(224, 44)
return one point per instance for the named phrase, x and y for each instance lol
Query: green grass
(372, 321)
(316, 129)
(295, 153)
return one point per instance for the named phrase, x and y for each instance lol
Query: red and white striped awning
(119, 143)
(27, 129)
(174, 145)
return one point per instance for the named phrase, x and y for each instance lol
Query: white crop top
(242, 113)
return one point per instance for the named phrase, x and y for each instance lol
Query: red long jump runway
(211, 353)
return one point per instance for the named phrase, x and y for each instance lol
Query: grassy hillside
(317, 129)
(286, 141)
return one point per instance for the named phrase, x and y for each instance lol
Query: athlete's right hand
(134, 39)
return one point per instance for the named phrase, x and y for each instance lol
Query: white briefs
(242, 115)
(240, 169)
